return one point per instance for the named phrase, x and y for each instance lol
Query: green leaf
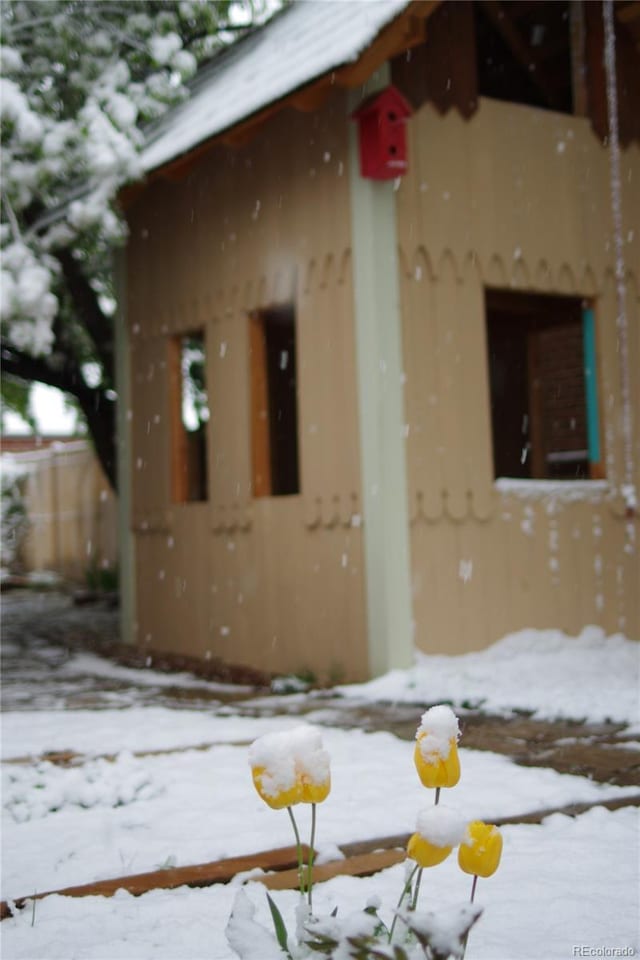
(399, 952)
(16, 397)
(321, 944)
(381, 928)
(278, 925)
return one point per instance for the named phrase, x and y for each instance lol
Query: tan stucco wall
(515, 198)
(278, 582)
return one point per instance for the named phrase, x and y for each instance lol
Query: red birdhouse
(382, 132)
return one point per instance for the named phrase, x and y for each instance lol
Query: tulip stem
(405, 890)
(473, 887)
(466, 936)
(311, 852)
(416, 890)
(437, 801)
(298, 850)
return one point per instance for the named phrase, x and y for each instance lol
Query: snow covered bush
(292, 767)
(14, 522)
(34, 792)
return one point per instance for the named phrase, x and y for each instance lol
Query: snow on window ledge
(565, 490)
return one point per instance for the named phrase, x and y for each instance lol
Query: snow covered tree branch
(78, 82)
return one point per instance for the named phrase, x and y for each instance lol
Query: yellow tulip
(314, 792)
(290, 767)
(279, 798)
(480, 851)
(434, 769)
(436, 750)
(438, 830)
(425, 853)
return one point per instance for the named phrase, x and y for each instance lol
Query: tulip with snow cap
(288, 768)
(438, 831)
(436, 750)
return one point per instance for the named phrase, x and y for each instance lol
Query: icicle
(628, 488)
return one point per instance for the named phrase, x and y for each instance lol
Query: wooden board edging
(199, 875)
(361, 859)
(361, 865)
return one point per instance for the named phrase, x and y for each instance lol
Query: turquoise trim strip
(591, 383)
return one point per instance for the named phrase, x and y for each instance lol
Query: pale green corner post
(381, 410)
(126, 545)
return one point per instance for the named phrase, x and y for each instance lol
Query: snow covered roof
(301, 43)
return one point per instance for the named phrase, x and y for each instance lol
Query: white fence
(71, 511)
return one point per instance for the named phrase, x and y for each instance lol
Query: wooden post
(55, 511)
(126, 539)
(578, 59)
(260, 439)
(179, 451)
(378, 324)
(591, 393)
(537, 440)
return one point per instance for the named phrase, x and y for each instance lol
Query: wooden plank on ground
(400, 840)
(397, 841)
(362, 859)
(199, 875)
(570, 810)
(362, 865)
(67, 758)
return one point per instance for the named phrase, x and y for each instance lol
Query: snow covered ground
(591, 677)
(565, 885)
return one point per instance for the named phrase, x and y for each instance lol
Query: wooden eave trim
(406, 31)
(128, 194)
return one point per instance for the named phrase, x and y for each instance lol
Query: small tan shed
(366, 415)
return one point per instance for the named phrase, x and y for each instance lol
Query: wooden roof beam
(629, 12)
(521, 50)
(315, 95)
(408, 30)
(578, 50)
(523, 8)
(552, 47)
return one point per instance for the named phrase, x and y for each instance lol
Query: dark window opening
(523, 53)
(274, 403)
(190, 415)
(518, 52)
(539, 413)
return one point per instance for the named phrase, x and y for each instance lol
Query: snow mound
(547, 673)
